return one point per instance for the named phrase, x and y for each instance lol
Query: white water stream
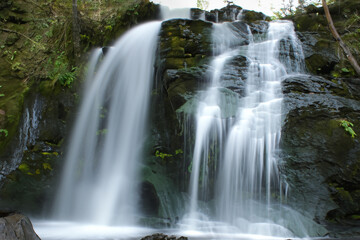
(247, 176)
(100, 178)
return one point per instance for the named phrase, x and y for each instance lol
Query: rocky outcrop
(15, 226)
(320, 159)
(323, 54)
(160, 236)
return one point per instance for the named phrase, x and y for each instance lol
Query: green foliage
(1, 94)
(178, 151)
(61, 71)
(345, 70)
(101, 132)
(190, 167)
(348, 127)
(162, 155)
(24, 168)
(202, 4)
(108, 27)
(4, 131)
(133, 10)
(10, 54)
(47, 166)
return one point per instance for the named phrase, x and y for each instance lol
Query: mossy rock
(253, 16)
(28, 188)
(194, 36)
(310, 22)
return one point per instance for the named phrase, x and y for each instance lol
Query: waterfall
(100, 177)
(210, 124)
(246, 165)
(234, 178)
(28, 133)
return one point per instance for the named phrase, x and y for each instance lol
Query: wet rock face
(32, 164)
(15, 226)
(320, 52)
(319, 158)
(149, 200)
(184, 43)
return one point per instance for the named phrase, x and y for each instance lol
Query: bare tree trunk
(336, 35)
(76, 31)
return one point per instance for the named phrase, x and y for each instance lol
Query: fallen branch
(336, 35)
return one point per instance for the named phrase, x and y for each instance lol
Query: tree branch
(336, 35)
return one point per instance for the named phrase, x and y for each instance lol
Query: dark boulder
(149, 200)
(161, 236)
(15, 226)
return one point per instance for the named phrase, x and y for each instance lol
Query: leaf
(24, 168)
(178, 151)
(4, 131)
(47, 166)
(345, 70)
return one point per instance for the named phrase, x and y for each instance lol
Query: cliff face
(320, 160)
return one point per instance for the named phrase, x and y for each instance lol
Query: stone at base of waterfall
(160, 236)
(15, 226)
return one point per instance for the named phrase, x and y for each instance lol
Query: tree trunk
(336, 35)
(76, 31)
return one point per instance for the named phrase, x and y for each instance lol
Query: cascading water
(28, 133)
(247, 167)
(210, 123)
(101, 172)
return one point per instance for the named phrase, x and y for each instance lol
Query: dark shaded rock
(319, 51)
(180, 83)
(231, 13)
(32, 161)
(253, 16)
(196, 13)
(259, 27)
(319, 158)
(15, 226)
(149, 200)
(161, 236)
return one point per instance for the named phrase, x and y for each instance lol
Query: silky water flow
(234, 175)
(240, 151)
(100, 178)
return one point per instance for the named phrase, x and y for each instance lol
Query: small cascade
(28, 133)
(241, 152)
(100, 177)
(210, 124)
(249, 168)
